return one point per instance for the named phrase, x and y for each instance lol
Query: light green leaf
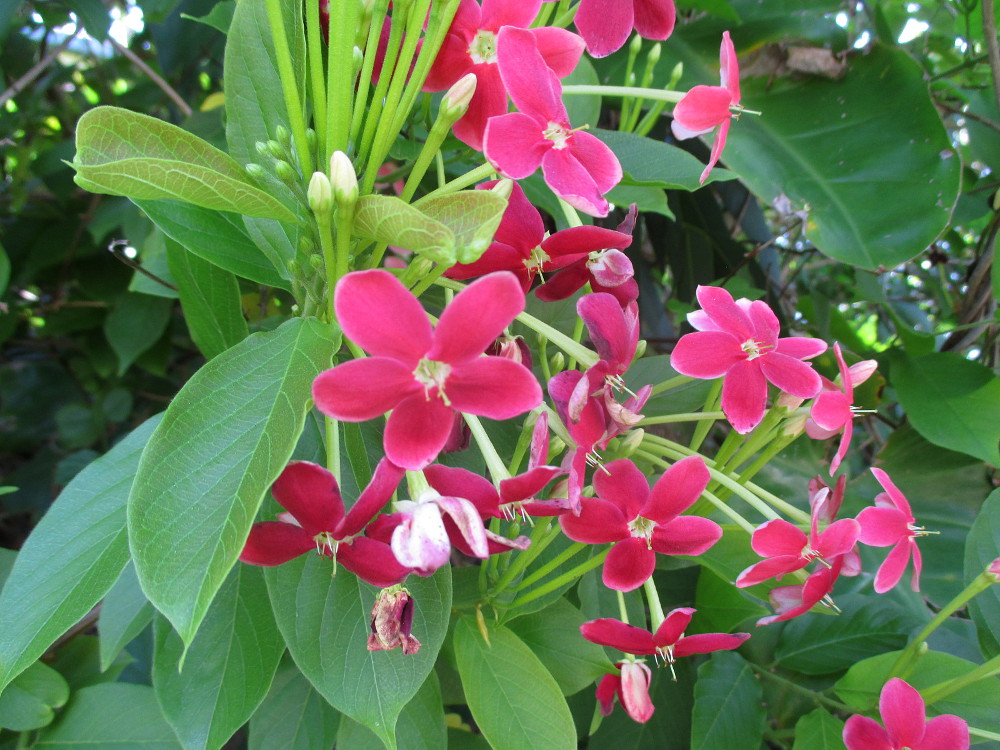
(210, 298)
(326, 621)
(653, 163)
(727, 708)
(473, 217)
(94, 716)
(981, 548)
(389, 220)
(29, 702)
(228, 668)
(515, 701)
(420, 725)
(819, 730)
(72, 558)
(293, 716)
(125, 612)
(951, 401)
(223, 441)
(126, 153)
(135, 324)
(646, 199)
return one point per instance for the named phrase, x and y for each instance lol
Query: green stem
(314, 44)
(622, 609)
(541, 537)
(494, 463)
(685, 417)
(333, 447)
(712, 403)
(340, 73)
(289, 86)
(572, 217)
(667, 385)
(986, 735)
(480, 173)
(367, 66)
(656, 616)
(630, 91)
(946, 688)
(374, 112)
(567, 577)
(431, 148)
(812, 694)
(551, 565)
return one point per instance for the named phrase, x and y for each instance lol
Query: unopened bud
(316, 261)
(311, 139)
(261, 147)
(293, 268)
(675, 76)
(557, 362)
(320, 194)
(392, 621)
(306, 245)
(790, 402)
(993, 569)
(514, 348)
(286, 173)
(635, 46)
(282, 135)
(794, 425)
(640, 350)
(256, 171)
(504, 187)
(357, 60)
(275, 149)
(631, 443)
(456, 99)
(343, 178)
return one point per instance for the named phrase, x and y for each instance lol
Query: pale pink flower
(906, 726)
(891, 524)
(631, 685)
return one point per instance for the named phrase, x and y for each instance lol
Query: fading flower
(631, 685)
(392, 622)
(791, 601)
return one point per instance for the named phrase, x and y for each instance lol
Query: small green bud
(293, 268)
(631, 443)
(282, 135)
(654, 54)
(316, 261)
(285, 171)
(640, 350)
(311, 139)
(320, 194)
(306, 245)
(456, 99)
(261, 148)
(256, 171)
(276, 150)
(635, 46)
(557, 362)
(343, 179)
(357, 60)
(504, 188)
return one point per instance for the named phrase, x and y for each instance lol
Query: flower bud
(514, 348)
(286, 173)
(282, 135)
(504, 187)
(343, 178)
(392, 620)
(256, 171)
(654, 54)
(456, 99)
(275, 149)
(320, 194)
(311, 139)
(993, 569)
(632, 442)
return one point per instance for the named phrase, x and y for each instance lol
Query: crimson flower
(577, 166)
(606, 24)
(424, 374)
(791, 601)
(739, 342)
(315, 520)
(640, 522)
(668, 642)
(705, 108)
(471, 47)
(906, 727)
(833, 409)
(891, 524)
(631, 685)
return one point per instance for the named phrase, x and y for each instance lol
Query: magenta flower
(705, 108)
(640, 522)
(606, 24)
(578, 167)
(424, 374)
(833, 409)
(421, 540)
(471, 47)
(824, 504)
(791, 601)
(739, 342)
(668, 642)
(891, 524)
(315, 520)
(906, 727)
(631, 685)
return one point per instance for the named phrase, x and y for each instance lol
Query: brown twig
(165, 87)
(992, 48)
(37, 69)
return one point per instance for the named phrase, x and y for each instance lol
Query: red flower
(792, 601)
(739, 342)
(632, 687)
(704, 108)
(606, 24)
(906, 726)
(315, 520)
(424, 374)
(891, 524)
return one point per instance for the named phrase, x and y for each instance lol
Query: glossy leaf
(420, 725)
(515, 701)
(473, 217)
(819, 730)
(228, 668)
(72, 558)
(125, 612)
(389, 220)
(653, 163)
(727, 705)
(293, 716)
(126, 153)
(982, 548)
(30, 701)
(722, 607)
(325, 620)
(135, 324)
(223, 441)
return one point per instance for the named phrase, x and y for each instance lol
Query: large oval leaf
(389, 220)
(727, 705)
(293, 716)
(223, 441)
(981, 548)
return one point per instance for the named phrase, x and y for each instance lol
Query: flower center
(484, 47)
(808, 553)
(536, 259)
(558, 134)
(432, 376)
(752, 349)
(325, 544)
(642, 528)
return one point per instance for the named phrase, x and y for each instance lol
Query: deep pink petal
(902, 711)
(685, 535)
(384, 482)
(527, 485)
(616, 634)
(778, 537)
(676, 490)
(469, 523)
(845, 442)
(882, 527)
(655, 19)
(673, 626)
(800, 347)
(633, 691)
(534, 89)
(416, 431)
(614, 339)
(497, 13)
(605, 26)
(455, 482)
(606, 690)
(838, 538)
(514, 145)
(894, 566)
(476, 316)
(372, 561)
(790, 375)
(597, 158)
(274, 543)
(493, 387)
(599, 522)
(706, 643)
(946, 732)
(628, 565)
(862, 733)
(521, 226)
(363, 389)
(724, 312)
(702, 108)
(706, 354)
(452, 61)
(572, 181)
(561, 49)
(744, 394)
(917, 566)
(382, 316)
(831, 410)
(765, 324)
(498, 257)
(564, 283)
(623, 485)
(717, 146)
(773, 567)
(729, 68)
(489, 100)
(893, 491)
(310, 493)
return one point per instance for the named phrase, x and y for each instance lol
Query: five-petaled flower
(738, 341)
(631, 684)
(891, 524)
(791, 601)
(906, 726)
(705, 108)
(424, 374)
(606, 24)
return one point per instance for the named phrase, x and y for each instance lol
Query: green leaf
(813, 146)
(135, 324)
(210, 298)
(126, 153)
(293, 716)
(646, 199)
(29, 702)
(72, 558)
(721, 606)
(326, 620)
(951, 401)
(513, 698)
(727, 708)
(391, 221)
(4, 270)
(223, 441)
(982, 548)
(227, 669)
(94, 718)
(473, 217)
(583, 109)
(821, 645)
(218, 238)
(653, 163)
(125, 613)
(550, 634)
(819, 730)
(220, 17)
(420, 725)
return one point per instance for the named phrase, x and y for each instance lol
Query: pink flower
(833, 409)
(640, 522)
(906, 727)
(891, 524)
(668, 642)
(606, 24)
(421, 540)
(791, 601)
(632, 687)
(704, 108)
(424, 374)
(471, 47)
(578, 167)
(315, 520)
(825, 502)
(739, 342)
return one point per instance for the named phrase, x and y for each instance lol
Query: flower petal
(790, 375)
(903, 713)
(725, 312)
(497, 13)
(685, 535)
(384, 482)
(606, 690)
(633, 691)
(532, 86)
(706, 354)
(778, 537)
(744, 395)
(571, 180)
(274, 543)
(382, 316)
(362, 389)
(372, 561)
(514, 145)
(706, 643)
(717, 146)
(946, 731)
(629, 564)
(612, 336)
(677, 490)
(623, 485)
(892, 490)
(310, 493)
(882, 527)
(831, 410)
(493, 387)
(617, 634)
(673, 626)
(599, 522)
(893, 567)
(452, 481)
(468, 521)
(655, 19)
(561, 49)
(605, 26)
(416, 431)
(773, 567)
(702, 108)
(862, 733)
(476, 316)
(800, 347)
